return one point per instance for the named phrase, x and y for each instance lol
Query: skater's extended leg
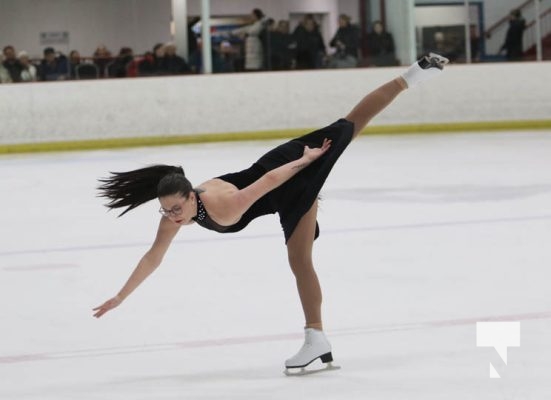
(299, 250)
(376, 101)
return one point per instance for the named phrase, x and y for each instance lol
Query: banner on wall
(54, 37)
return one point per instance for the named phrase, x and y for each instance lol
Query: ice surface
(422, 236)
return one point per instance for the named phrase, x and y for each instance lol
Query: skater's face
(178, 208)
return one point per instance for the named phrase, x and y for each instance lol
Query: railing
(503, 22)
(495, 35)
(530, 36)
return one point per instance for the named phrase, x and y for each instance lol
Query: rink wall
(168, 110)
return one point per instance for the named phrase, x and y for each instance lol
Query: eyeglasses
(174, 211)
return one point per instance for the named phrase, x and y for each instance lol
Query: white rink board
(253, 102)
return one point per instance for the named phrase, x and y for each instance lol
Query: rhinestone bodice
(203, 218)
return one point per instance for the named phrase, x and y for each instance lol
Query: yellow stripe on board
(97, 144)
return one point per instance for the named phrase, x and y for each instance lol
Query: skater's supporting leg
(299, 250)
(375, 102)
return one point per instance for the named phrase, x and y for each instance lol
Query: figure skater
(286, 180)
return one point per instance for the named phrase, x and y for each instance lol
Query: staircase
(495, 35)
(530, 37)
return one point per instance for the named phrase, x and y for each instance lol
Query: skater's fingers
(100, 307)
(108, 305)
(326, 145)
(102, 310)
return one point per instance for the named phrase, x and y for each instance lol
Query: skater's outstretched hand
(108, 305)
(315, 153)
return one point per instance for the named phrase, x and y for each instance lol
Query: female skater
(286, 180)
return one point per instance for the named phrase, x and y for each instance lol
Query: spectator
(74, 61)
(102, 57)
(381, 46)
(266, 40)
(277, 46)
(224, 56)
(309, 44)
(119, 67)
(253, 46)
(4, 74)
(439, 43)
(475, 43)
(192, 44)
(152, 64)
(346, 42)
(146, 66)
(513, 38)
(28, 70)
(132, 68)
(53, 67)
(12, 64)
(173, 64)
(446, 46)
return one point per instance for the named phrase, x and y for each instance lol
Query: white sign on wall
(49, 38)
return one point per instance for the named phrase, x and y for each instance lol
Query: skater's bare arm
(149, 262)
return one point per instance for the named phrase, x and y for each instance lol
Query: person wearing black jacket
(513, 38)
(381, 46)
(346, 40)
(277, 41)
(54, 66)
(152, 63)
(173, 64)
(12, 64)
(310, 48)
(118, 68)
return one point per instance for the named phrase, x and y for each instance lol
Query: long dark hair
(133, 188)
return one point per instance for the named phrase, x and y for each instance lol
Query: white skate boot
(315, 346)
(424, 69)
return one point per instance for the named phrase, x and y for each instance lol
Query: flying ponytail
(133, 188)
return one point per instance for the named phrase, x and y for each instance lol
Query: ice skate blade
(303, 371)
(436, 61)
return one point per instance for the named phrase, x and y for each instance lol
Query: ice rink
(422, 236)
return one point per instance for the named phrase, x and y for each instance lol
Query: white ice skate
(424, 69)
(315, 346)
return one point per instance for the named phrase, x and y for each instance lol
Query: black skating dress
(295, 197)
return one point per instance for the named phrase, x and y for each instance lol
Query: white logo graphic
(498, 335)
